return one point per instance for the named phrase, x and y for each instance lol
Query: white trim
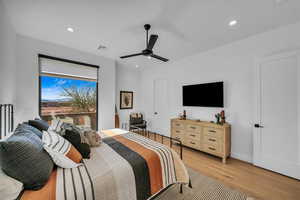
(285, 168)
(242, 157)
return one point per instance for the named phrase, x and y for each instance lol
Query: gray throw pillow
(23, 158)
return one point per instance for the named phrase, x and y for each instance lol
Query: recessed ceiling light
(149, 57)
(232, 23)
(280, 1)
(137, 66)
(70, 29)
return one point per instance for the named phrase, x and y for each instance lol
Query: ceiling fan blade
(152, 42)
(137, 54)
(160, 58)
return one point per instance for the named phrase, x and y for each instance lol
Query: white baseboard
(243, 157)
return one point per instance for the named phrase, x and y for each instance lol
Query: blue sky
(52, 86)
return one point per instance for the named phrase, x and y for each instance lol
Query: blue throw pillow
(26, 127)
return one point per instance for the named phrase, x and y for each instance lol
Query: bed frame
(6, 119)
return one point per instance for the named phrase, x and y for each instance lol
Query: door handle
(258, 126)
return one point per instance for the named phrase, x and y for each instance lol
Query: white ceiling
(185, 27)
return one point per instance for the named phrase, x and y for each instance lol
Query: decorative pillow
(39, 124)
(75, 139)
(63, 153)
(93, 138)
(57, 126)
(72, 127)
(61, 127)
(22, 127)
(85, 150)
(9, 188)
(23, 158)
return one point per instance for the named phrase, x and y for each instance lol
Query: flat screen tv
(203, 95)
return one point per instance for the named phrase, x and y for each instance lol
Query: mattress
(126, 166)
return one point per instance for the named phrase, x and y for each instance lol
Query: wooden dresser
(204, 136)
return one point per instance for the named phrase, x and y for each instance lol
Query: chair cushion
(140, 125)
(39, 124)
(24, 150)
(136, 120)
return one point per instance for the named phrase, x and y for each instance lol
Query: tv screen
(204, 95)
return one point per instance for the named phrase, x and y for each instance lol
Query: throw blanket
(126, 166)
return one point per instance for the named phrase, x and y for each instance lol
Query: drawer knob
(193, 143)
(177, 131)
(212, 148)
(213, 140)
(192, 127)
(212, 131)
(193, 135)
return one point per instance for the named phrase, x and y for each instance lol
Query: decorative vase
(184, 114)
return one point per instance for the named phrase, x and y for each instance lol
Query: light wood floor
(254, 181)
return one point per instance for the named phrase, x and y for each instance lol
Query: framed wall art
(126, 100)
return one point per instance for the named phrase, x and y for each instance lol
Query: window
(69, 92)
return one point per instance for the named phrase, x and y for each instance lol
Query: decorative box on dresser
(204, 136)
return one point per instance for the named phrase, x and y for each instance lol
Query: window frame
(73, 62)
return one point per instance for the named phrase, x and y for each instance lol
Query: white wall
(235, 65)
(28, 72)
(7, 58)
(128, 79)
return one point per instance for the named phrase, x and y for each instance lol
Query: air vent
(101, 47)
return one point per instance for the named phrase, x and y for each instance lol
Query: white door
(160, 112)
(276, 135)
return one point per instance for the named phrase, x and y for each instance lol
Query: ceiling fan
(149, 46)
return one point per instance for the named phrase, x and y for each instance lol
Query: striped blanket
(126, 166)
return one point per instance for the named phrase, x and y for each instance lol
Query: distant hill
(56, 100)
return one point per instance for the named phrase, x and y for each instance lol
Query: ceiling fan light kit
(149, 47)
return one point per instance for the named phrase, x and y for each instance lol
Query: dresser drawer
(177, 125)
(192, 143)
(193, 136)
(212, 148)
(178, 132)
(214, 132)
(193, 128)
(212, 140)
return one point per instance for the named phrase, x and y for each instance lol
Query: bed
(126, 166)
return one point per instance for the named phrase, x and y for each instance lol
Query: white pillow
(56, 126)
(58, 148)
(9, 188)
